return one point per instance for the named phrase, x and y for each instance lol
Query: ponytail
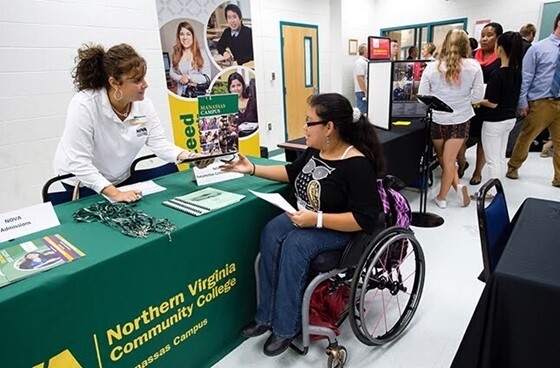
(94, 65)
(89, 73)
(364, 137)
(512, 45)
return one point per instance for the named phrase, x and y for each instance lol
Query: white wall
(357, 23)
(511, 15)
(38, 42)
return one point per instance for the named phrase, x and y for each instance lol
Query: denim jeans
(286, 252)
(361, 102)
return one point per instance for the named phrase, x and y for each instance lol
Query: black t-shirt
(503, 89)
(480, 112)
(336, 186)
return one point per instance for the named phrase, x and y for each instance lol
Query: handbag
(197, 89)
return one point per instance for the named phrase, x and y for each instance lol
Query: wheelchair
(385, 273)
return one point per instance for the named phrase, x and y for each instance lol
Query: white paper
(277, 200)
(146, 187)
(213, 174)
(27, 220)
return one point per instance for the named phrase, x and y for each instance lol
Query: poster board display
(405, 82)
(217, 41)
(379, 48)
(379, 93)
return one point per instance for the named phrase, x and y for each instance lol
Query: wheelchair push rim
(387, 286)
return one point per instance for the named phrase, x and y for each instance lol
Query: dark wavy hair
(361, 134)
(94, 65)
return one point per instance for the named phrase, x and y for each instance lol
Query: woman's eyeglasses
(311, 123)
(317, 172)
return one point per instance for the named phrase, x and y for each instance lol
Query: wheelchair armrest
(353, 251)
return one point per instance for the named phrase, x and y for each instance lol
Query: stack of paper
(203, 201)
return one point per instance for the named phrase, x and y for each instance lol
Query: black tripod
(423, 218)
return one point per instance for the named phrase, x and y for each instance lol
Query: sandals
(475, 181)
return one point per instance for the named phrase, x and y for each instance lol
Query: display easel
(423, 218)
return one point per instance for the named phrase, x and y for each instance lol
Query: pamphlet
(203, 201)
(277, 200)
(26, 259)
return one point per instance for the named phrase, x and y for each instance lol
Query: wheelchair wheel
(337, 356)
(386, 286)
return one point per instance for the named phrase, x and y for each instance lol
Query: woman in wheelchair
(334, 182)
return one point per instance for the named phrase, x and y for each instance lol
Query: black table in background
(517, 320)
(402, 145)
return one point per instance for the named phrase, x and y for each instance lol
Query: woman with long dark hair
(336, 194)
(247, 105)
(502, 95)
(188, 64)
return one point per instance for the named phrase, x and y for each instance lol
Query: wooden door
(300, 71)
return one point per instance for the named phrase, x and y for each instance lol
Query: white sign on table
(213, 174)
(27, 220)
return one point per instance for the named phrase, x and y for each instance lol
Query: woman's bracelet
(254, 168)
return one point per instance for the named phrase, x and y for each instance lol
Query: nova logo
(62, 360)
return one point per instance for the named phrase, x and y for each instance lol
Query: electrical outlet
(269, 126)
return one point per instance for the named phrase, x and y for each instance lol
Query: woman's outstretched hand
(241, 165)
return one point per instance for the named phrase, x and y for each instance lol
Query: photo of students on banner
(201, 50)
(188, 67)
(230, 39)
(240, 81)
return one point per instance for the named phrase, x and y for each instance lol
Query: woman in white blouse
(189, 65)
(108, 122)
(457, 80)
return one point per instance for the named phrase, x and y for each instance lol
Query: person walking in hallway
(502, 95)
(360, 78)
(539, 100)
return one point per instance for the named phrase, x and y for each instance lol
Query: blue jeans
(361, 102)
(286, 252)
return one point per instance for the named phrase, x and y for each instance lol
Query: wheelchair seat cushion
(326, 261)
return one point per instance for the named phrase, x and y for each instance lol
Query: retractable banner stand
(208, 52)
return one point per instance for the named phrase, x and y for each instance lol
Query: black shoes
(254, 329)
(275, 345)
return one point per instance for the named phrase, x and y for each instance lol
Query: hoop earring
(328, 140)
(115, 95)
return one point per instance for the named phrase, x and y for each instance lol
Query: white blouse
(460, 97)
(98, 148)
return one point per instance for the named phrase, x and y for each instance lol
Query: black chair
(139, 175)
(56, 197)
(493, 225)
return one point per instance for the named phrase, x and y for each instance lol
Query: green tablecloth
(141, 302)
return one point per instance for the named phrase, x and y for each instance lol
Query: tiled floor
(451, 289)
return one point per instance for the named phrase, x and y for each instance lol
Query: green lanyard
(122, 217)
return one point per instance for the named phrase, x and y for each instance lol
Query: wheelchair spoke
(386, 287)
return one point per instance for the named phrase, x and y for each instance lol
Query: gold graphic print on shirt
(314, 193)
(308, 183)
